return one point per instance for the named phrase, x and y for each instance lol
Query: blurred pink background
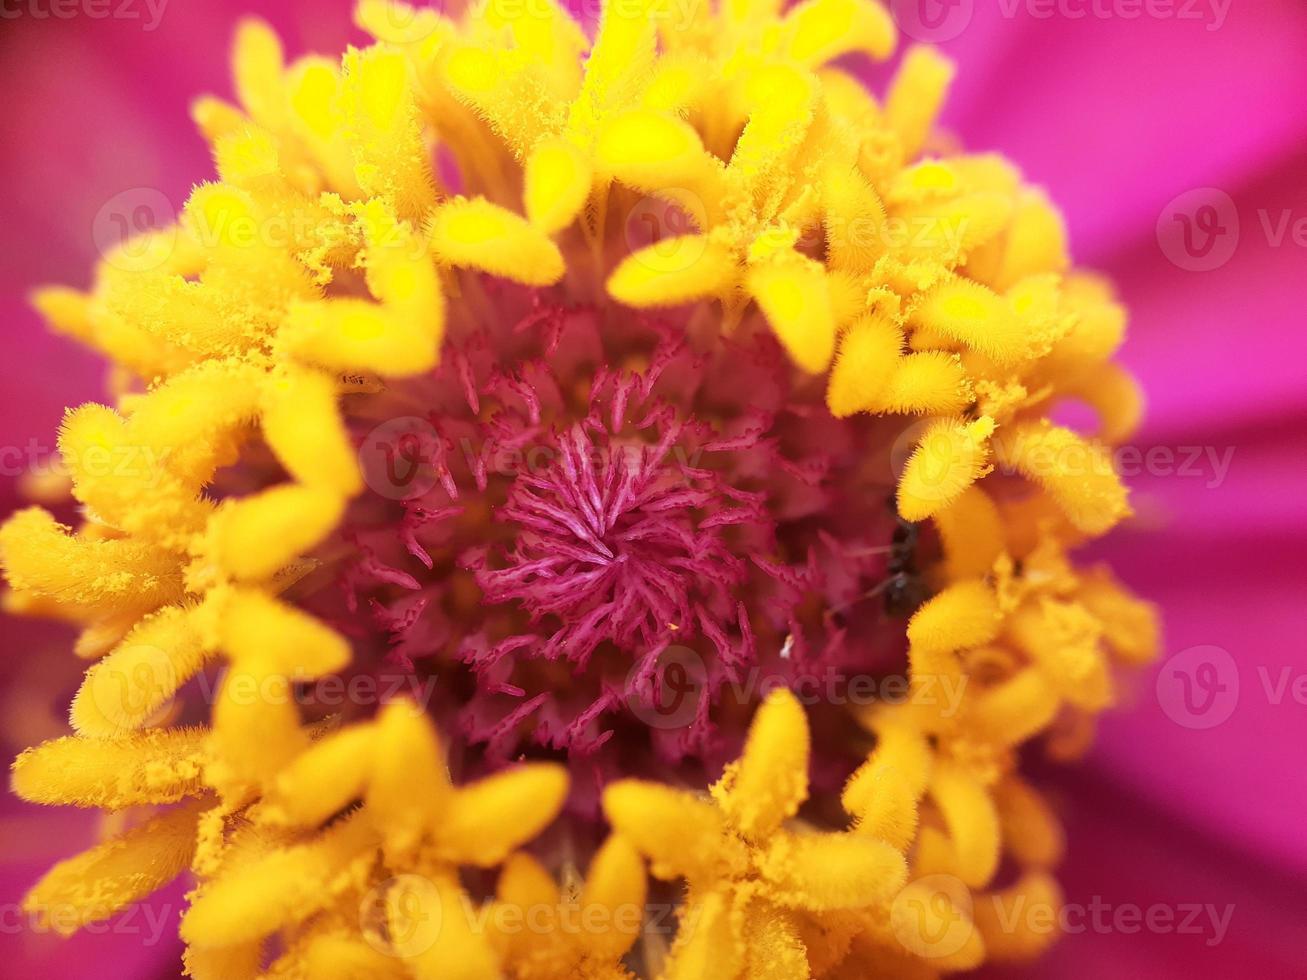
(1142, 118)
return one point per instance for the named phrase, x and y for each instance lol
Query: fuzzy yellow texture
(928, 283)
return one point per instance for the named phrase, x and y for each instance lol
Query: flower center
(617, 541)
(574, 535)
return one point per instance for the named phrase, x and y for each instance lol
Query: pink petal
(1216, 911)
(1222, 348)
(1220, 746)
(1118, 114)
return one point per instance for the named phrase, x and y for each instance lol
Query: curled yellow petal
(323, 779)
(962, 615)
(43, 557)
(770, 780)
(556, 185)
(928, 383)
(916, 95)
(1131, 626)
(140, 676)
(1020, 922)
(652, 151)
(1016, 709)
(484, 236)
(854, 218)
(1031, 831)
(357, 335)
(302, 424)
(256, 727)
(615, 883)
(818, 31)
(1036, 240)
(972, 821)
(678, 833)
(972, 314)
(794, 297)
(489, 818)
(870, 354)
(257, 69)
(456, 949)
(256, 627)
(949, 458)
(283, 887)
(711, 948)
(255, 536)
(972, 533)
(1078, 474)
(673, 271)
(1114, 394)
(1064, 640)
(832, 871)
(160, 766)
(97, 883)
(408, 792)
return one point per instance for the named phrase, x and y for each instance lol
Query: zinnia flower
(602, 532)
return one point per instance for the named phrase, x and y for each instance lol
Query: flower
(370, 420)
(756, 891)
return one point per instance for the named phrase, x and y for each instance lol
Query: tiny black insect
(905, 590)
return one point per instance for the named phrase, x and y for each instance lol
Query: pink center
(562, 518)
